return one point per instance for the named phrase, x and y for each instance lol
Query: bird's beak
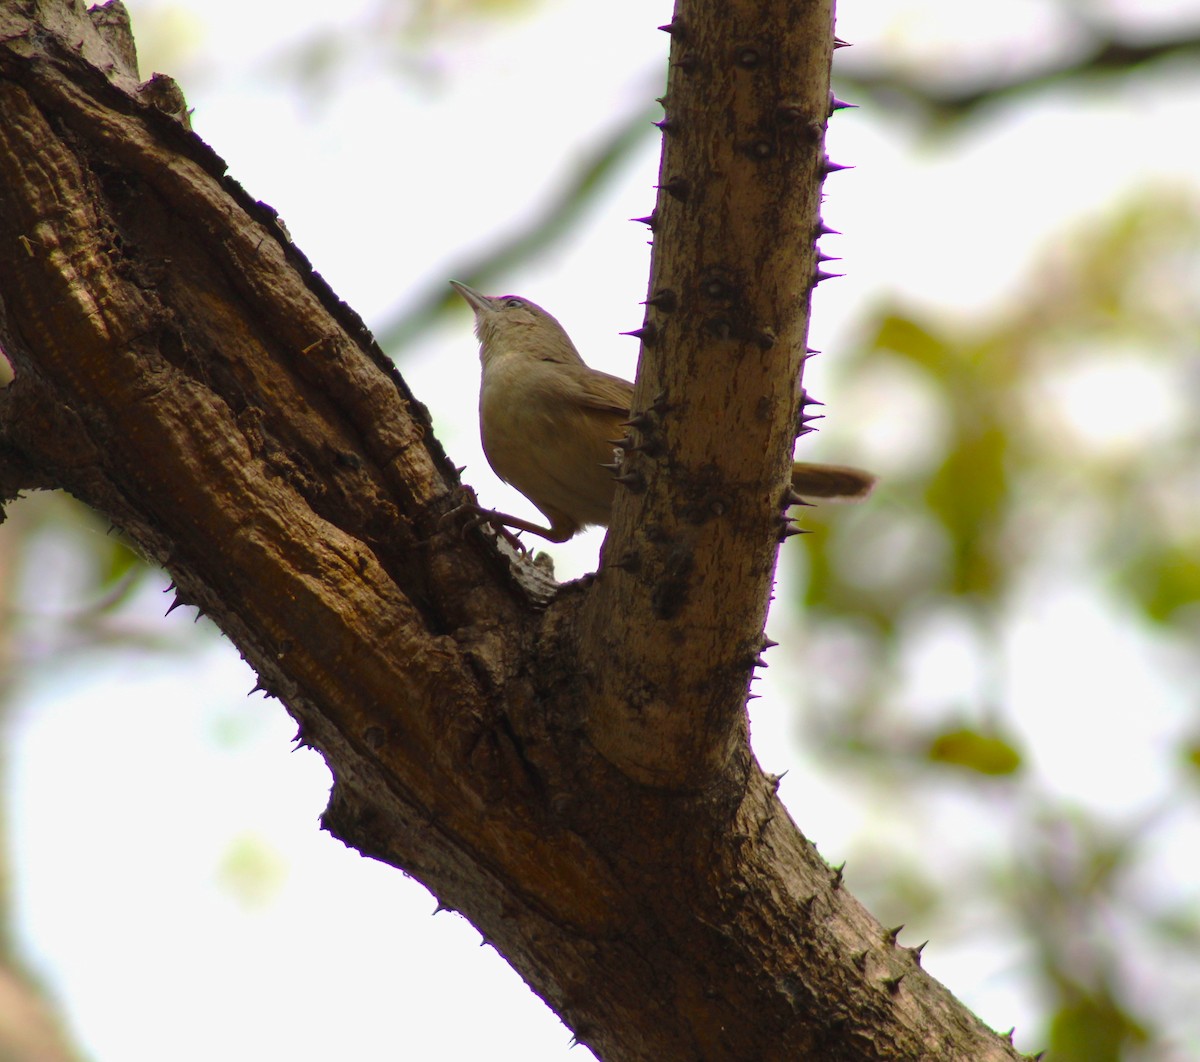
(479, 303)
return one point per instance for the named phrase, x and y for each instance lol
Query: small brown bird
(547, 420)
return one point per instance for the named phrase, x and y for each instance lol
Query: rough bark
(567, 766)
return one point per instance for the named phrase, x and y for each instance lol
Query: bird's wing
(600, 391)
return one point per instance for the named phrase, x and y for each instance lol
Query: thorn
(859, 958)
(839, 43)
(752, 697)
(823, 257)
(838, 875)
(659, 405)
(829, 166)
(677, 29)
(687, 62)
(811, 352)
(647, 334)
(890, 935)
(633, 481)
(639, 421)
(664, 299)
(790, 529)
(258, 688)
(442, 907)
(650, 447)
(621, 444)
(759, 661)
(1008, 1036)
(460, 469)
(839, 105)
(916, 952)
(794, 499)
(825, 230)
(808, 418)
(631, 562)
(174, 605)
(614, 468)
(170, 587)
(768, 643)
(892, 984)
(804, 431)
(807, 399)
(820, 275)
(678, 187)
(649, 220)
(668, 127)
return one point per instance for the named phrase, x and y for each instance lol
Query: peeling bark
(567, 766)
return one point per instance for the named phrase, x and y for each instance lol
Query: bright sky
(203, 928)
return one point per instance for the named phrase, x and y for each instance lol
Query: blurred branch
(1099, 54)
(591, 176)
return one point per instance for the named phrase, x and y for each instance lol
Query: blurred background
(987, 692)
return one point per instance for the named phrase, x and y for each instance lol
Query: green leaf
(984, 753)
(968, 495)
(910, 340)
(120, 561)
(1093, 1029)
(1164, 581)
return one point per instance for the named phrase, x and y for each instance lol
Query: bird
(549, 422)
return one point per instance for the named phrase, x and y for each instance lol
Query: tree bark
(568, 766)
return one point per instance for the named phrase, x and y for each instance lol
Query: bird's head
(510, 323)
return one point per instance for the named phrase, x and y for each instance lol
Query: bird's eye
(513, 303)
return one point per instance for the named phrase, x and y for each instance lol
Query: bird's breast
(547, 445)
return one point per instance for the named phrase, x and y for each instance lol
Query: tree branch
(718, 393)
(180, 367)
(1100, 53)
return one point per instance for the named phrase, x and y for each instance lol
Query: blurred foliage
(69, 586)
(403, 35)
(976, 751)
(252, 872)
(1059, 447)
(406, 37)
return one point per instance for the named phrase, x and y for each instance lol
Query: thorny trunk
(566, 766)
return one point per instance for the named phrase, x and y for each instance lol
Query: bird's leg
(558, 531)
